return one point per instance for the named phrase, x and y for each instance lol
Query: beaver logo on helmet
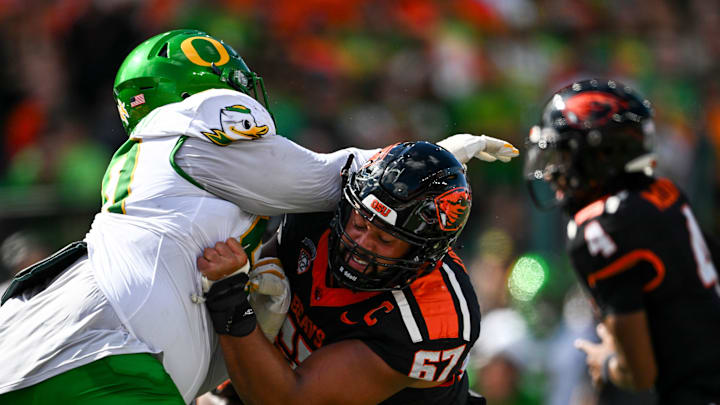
(452, 208)
(595, 107)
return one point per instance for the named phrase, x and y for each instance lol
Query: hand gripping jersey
(424, 331)
(192, 173)
(643, 250)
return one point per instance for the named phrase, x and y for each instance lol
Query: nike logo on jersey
(345, 320)
(369, 318)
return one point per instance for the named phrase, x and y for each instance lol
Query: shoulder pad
(220, 116)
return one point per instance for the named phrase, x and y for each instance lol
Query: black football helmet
(592, 134)
(417, 192)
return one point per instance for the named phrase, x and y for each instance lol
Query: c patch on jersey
(306, 256)
(452, 208)
(237, 122)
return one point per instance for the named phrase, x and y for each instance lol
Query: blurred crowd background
(369, 73)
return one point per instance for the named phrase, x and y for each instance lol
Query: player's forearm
(621, 375)
(634, 366)
(258, 371)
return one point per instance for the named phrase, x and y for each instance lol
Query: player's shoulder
(436, 324)
(444, 303)
(220, 116)
(621, 212)
(224, 116)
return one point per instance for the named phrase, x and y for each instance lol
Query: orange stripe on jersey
(436, 305)
(456, 259)
(591, 211)
(662, 194)
(626, 262)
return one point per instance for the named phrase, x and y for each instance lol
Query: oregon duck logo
(453, 208)
(236, 122)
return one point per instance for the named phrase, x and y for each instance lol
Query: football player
(382, 309)
(119, 316)
(634, 243)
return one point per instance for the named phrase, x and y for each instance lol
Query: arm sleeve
(270, 175)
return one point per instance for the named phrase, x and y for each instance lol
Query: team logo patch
(452, 208)
(124, 116)
(236, 122)
(595, 107)
(306, 255)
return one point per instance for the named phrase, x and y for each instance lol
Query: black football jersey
(425, 330)
(643, 250)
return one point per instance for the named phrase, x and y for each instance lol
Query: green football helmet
(175, 65)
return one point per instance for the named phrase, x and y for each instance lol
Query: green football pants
(114, 380)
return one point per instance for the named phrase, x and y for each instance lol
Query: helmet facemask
(244, 81)
(380, 273)
(416, 192)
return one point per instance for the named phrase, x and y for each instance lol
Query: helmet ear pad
(416, 192)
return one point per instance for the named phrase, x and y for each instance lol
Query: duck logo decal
(236, 123)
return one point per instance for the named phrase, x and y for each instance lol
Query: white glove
(483, 147)
(269, 295)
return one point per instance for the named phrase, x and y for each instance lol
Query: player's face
(372, 238)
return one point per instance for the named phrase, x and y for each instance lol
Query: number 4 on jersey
(600, 242)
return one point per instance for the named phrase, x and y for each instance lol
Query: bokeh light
(527, 277)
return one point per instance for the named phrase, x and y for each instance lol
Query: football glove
(269, 295)
(229, 308)
(483, 147)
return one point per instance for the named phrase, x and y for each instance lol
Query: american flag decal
(137, 100)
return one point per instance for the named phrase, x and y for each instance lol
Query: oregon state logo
(596, 107)
(236, 122)
(453, 208)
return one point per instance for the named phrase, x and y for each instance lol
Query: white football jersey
(192, 173)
